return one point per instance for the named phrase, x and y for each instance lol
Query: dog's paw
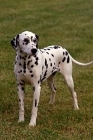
(32, 122)
(21, 118)
(51, 102)
(76, 108)
(20, 121)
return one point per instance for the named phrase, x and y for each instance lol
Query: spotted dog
(33, 66)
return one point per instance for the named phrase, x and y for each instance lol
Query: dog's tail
(79, 63)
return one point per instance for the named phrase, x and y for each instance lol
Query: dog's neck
(21, 57)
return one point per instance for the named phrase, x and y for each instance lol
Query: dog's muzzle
(34, 51)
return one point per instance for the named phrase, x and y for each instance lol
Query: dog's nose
(34, 51)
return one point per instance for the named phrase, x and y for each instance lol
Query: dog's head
(27, 42)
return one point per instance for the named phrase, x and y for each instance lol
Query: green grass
(68, 23)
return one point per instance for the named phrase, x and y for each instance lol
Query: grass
(68, 23)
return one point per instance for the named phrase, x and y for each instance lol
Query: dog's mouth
(29, 52)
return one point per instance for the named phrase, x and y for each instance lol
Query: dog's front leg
(36, 89)
(21, 101)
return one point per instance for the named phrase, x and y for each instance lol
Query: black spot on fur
(34, 88)
(20, 51)
(30, 71)
(20, 64)
(32, 75)
(63, 53)
(51, 64)
(21, 83)
(53, 67)
(49, 59)
(34, 55)
(32, 66)
(54, 73)
(24, 65)
(26, 41)
(35, 103)
(19, 71)
(28, 62)
(19, 100)
(44, 77)
(45, 73)
(29, 57)
(66, 53)
(36, 62)
(37, 58)
(46, 63)
(24, 70)
(20, 57)
(31, 38)
(68, 59)
(15, 62)
(24, 58)
(63, 59)
(47, 52)
(42, 67)
(52, 55)
(22, 88)
(56, 47)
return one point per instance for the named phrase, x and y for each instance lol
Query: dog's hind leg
(50, 81)
(66, 71)
(70, 83)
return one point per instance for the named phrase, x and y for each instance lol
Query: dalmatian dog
(33, 66)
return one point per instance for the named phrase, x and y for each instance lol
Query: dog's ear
(15, 42)
(37, 37)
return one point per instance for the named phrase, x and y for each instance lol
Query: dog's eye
(34, 40)
(26, 40)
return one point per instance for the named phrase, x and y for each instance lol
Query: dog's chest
(27, 69)
(23, 73)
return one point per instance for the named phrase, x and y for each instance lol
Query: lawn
(68, 23)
